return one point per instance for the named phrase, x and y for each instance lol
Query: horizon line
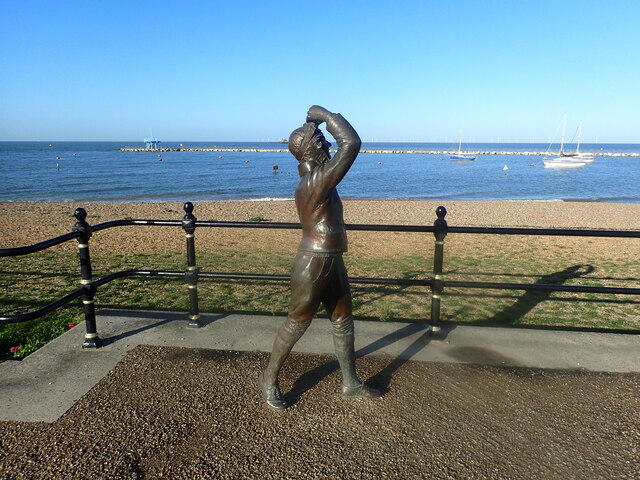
(599, 142)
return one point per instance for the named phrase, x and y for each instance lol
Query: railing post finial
(80, 214)
(440, 222)
(81, 224)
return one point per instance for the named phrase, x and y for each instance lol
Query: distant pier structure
(151, 143)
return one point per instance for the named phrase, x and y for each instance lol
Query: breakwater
(377, 151)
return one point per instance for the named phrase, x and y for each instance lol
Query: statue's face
(319, 148)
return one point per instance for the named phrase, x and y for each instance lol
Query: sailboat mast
(460, 143)
(564, 126)
(579, 133)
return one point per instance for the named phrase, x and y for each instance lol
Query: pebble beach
(26, 223)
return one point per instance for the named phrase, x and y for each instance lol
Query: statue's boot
(288, 334)
(343, 341)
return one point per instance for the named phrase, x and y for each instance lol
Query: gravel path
(196, 414)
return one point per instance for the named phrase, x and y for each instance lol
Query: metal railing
(436, 282)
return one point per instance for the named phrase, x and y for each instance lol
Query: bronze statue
(318, 274)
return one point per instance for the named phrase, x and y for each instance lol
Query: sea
(100, 172)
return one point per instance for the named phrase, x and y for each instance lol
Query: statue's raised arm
(347, 138)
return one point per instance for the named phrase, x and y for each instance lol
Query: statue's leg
(338, 304)
(302, 306)
(288, 334)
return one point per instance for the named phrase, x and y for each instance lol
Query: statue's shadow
(510, 315)
(380, 380)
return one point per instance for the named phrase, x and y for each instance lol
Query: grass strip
(30, 282)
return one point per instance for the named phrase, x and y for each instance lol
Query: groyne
(397, 152)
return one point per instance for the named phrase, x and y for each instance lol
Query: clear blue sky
(248, 70)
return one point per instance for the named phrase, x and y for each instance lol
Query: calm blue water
(98, 171)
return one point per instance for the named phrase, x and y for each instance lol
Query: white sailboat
(460, 155)
(568, 160)
(561, 162)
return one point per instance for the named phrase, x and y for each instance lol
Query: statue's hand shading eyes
(317, 114)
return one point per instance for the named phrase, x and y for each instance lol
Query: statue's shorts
(319, 278)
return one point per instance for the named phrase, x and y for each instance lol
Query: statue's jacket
(317, 200)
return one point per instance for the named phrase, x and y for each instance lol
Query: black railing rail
(52, 242)
(17, 251)
(556, 232)
(435, 280)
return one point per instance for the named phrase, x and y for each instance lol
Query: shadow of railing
(530, 299)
